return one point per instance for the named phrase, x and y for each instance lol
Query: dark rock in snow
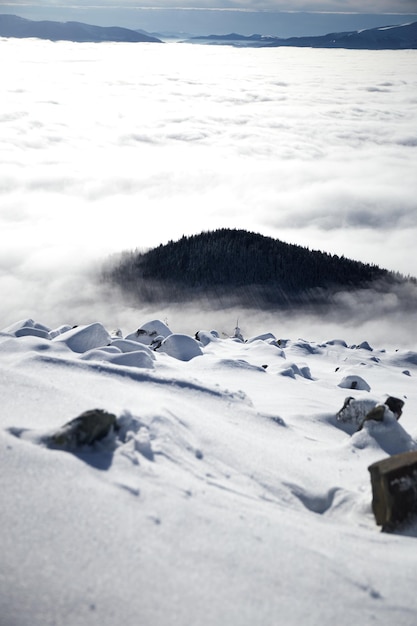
(378, 412)
(357, 412)
(395, 405)
(354, 411)
(86, 429)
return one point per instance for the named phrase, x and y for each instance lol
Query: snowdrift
(226, 491)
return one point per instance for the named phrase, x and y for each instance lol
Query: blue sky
(276, 17)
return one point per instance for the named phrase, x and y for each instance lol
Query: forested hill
(242, 265)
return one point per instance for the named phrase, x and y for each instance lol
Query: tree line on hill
(247, 267)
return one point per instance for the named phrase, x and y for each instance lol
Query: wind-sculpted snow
(230, 485)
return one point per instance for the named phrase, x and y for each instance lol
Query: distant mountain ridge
(246, 267)
(382, 38)
(396, 37)
(21, 28)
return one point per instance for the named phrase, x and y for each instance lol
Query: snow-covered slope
(229, 493)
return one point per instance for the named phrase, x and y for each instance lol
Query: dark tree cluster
(242, 264)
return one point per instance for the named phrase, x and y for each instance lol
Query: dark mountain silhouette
(14, 26)
(249, 268)
(382, 38)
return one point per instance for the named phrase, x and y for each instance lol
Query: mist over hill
(237, 267)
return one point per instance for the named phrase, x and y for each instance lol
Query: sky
(100, 154)
(270, 17)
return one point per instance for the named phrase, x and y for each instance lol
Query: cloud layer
(372, 6)
(117, 146)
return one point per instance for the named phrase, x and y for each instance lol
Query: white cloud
(112, 146)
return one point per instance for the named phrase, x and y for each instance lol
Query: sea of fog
(108, 147)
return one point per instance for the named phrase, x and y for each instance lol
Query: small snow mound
(269, 339)
(112, 354)
(305, 372)
(100, 354)
(387, 435)
(404, 358)
(292, 370)
(364, 346)
(140, 358)
(26, 323)
(149, 331)
(179, 346)
(126, 345)
(287, 371)
(83, 338)
(336, 342)
(205, 337)
(262, 337)
(32, 331)
(240, 364)
(352, 381)
(305, 347)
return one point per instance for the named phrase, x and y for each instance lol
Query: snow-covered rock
(147, 333)
(83, 338)
(211, 471)
(354, 381)
(180, 346)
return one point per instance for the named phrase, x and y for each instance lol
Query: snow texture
(231, 489)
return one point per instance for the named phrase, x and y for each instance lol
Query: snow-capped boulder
(83, 338)
(32, 331)
(27, 327)
(358, 412)
(112, 354)
(179, 346)
(147, 333)
(205, 337)
(353, 381)
(354, 411)
(268, 338)
(304, 347)
(364, 346)
(292, 370)
(336, 342)
(387, 434)
(58, 331)
(262, 337)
